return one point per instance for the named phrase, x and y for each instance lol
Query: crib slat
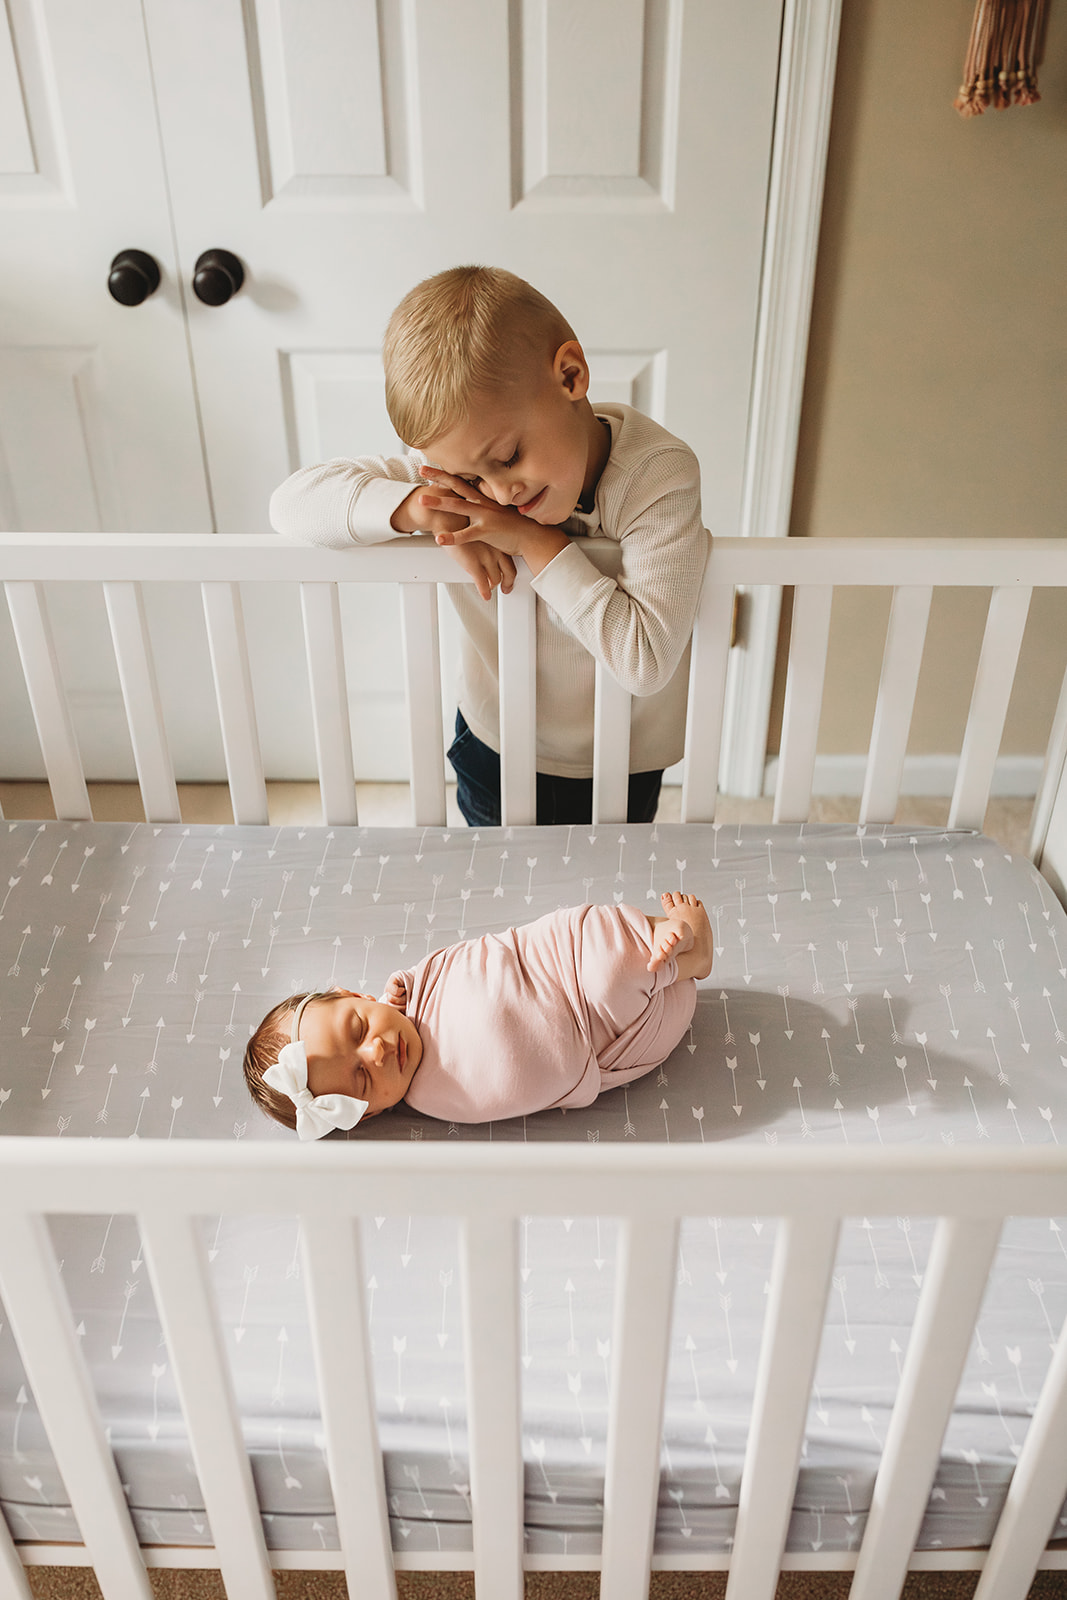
(14, 1583)
(800, 1282)
(955, 1281)
(803, 701)
(233, 694)
(40, 1316)
(1035, 1494)
(494, 1419)
(333, 1260)
(422, 679)
(517, 635)
(904, 643)
(177, 1263)
(648, 1256)
(989, 706)
(48, 701)
(707, 690)
(611, 748)
(1052, 773)
(320, 607)
(140, 694)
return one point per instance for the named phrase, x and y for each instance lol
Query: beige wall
(936, 395)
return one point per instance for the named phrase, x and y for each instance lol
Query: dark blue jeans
(477, 770)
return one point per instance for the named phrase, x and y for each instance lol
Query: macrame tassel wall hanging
(1001, 67)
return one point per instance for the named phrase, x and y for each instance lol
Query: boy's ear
(571, 370)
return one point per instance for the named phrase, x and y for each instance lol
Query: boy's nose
(505, 494)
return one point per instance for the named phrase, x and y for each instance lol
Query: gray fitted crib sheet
(870, 986)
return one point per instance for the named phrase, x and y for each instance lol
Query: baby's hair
(464, 333)
(262, 1051)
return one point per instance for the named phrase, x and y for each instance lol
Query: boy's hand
(503, 527)
(413, 516)
(456, 499)
(487, 566)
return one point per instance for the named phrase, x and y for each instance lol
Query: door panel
(580, 146)
(98, 417)
(614, 153)
(596, 115)
(81, 177)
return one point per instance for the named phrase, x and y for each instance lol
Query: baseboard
(1016, 777)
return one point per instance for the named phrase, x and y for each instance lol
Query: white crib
(489, 1188)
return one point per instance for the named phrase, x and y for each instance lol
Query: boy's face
(358, 1046)
(536, 446)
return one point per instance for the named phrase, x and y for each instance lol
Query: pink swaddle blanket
(543, 1015)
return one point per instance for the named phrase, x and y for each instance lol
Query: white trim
(794, 209)
(1013, 776)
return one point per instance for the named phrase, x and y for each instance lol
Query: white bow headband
(315, 1114)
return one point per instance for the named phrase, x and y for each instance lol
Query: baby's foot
(684, 931)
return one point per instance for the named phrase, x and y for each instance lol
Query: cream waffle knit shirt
(628, 599)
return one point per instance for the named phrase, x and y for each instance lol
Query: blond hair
(463, 334)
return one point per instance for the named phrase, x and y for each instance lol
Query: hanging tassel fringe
(1001, 66)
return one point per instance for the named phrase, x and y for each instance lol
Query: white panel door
(97, 412)
(98, 421)
(614, 152)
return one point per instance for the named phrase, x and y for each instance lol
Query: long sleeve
(638, 623)
(344, 502)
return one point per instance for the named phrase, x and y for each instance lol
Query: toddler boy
(487, 384)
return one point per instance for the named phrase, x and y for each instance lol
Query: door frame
(806, 69)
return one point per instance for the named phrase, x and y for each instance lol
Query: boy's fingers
(449, 503)
(459, 486)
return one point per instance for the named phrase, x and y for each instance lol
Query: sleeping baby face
(358, 1046)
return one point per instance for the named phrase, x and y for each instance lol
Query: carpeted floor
(75, 1583)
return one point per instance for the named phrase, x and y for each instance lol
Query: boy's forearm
(343, 502)
(402, 520)
(538, 546)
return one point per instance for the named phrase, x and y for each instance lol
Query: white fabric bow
(315, 1114)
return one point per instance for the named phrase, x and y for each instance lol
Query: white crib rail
(489, 1189)
(812, 567)
(321, 610)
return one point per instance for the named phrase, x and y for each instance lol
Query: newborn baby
(543, 1015)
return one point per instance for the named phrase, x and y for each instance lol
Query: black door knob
(217, 276)
(132, 277)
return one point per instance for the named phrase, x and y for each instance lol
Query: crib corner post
(1049, 850)
(1048, 824)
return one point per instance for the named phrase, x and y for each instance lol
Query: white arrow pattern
(145, 1005)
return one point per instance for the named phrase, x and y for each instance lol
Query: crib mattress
(870, 986)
